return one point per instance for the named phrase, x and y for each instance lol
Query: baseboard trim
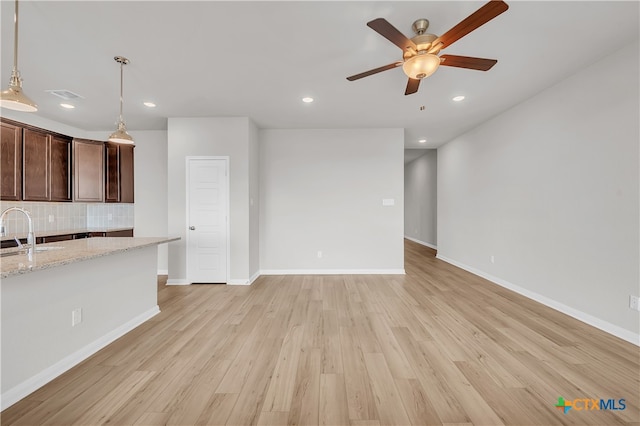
(23, 389)
(178, 281)
(238, 282)
(422, 243)
(598, 323)
(332, 272)
(254, 277)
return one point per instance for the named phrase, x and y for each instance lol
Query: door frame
(187, 212)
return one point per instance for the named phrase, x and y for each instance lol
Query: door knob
(193, 228)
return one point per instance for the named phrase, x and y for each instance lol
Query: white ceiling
(258, 59)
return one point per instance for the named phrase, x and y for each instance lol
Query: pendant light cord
(15, 39)
(121, 135)
(13, 98)
(121, 97)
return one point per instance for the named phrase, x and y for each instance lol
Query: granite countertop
(22, 235)
(72, 251)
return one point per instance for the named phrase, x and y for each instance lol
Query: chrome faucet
(31, 238)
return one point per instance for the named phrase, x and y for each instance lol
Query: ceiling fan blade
(374, 71)
(472, 22)
(480, 64)
(412, 86)
(391, 33)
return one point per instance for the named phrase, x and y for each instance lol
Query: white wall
(550, 188)
(150, 180)
(254, 201)
(210, 137)
(322, 190)
(420, 199)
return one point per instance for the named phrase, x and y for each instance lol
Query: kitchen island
(68, 300)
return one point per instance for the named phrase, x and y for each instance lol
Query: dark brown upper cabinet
(112, 182)
(126, 174)
(46, 169)
(119, 173)
(60, 176)
(36, 164)
(40, 165)
(88, 170)
(36, 151)
(10, 162)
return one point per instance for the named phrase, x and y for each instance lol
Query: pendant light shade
(14, 98)
(121, 135)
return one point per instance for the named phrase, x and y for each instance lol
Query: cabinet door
(126, 174)
(88, 171)
(112, 186)
(10, 162)
(35, 165)
(60, 166)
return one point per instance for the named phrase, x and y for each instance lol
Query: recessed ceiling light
(422, 140)
(458, 98)
(149, 104)
(67, 106)
(307, 100)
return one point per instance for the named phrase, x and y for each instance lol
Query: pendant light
(13, 97)
(121, 135)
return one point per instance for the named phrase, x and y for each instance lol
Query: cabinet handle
(193, 228)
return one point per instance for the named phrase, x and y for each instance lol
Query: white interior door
(207, 211)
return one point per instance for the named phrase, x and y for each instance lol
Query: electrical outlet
(319, 254)
(634, 302)
(51, 218)
(493, 259)
(110, 216)
(76, 317)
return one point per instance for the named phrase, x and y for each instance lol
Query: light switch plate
(76, 316)
(388, 202)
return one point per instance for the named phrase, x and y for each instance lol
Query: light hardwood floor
(436, 346)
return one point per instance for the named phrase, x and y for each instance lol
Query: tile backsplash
(67, 216)
(109, 215)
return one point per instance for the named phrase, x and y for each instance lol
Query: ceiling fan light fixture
(14, 98)
(421, 66)
(121, 135)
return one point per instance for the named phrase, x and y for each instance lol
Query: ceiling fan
(420, 53)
